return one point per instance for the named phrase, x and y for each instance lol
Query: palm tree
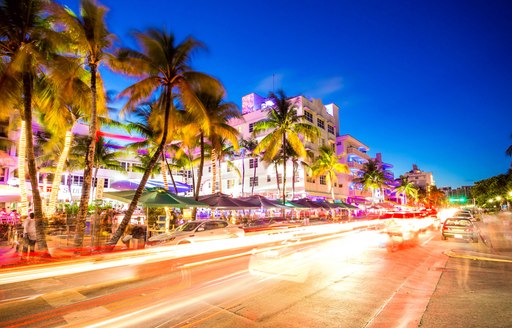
(406, 189)
(285, 127)
(436, 196)
(227, 153)
(149, 124)
(162, 65)
(68, 102)
(373, 177)
(92, 39)
(27, 44)
(247, 148)
(218, 112)
(328, 164)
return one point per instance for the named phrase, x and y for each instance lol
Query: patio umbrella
(223, 201)
(155, 197)
(309, 203)
(293, 204)
(124, 196)
(261, 201)
(159, 197)
(349, 206)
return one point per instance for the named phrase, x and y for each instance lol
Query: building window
(320, 123)
(310, 179)
(330, 129)
(268, 178)
(297, 178)
(77, 180)
(105, 182)
(308, 116)
(229, 168)
(231, 183)
(253, 163)
(3, 174)
(209, 169)
(323, 180)
(253, 181)
(251, 127)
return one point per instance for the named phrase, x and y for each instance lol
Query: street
(345, 279)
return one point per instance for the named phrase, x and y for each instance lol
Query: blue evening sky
(422, 82)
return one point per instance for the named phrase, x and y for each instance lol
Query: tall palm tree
(92, 39)
(218, 112)
(285, 126)
(68, 102)
(247, 149)
(227, 153)
(373, 177)
(27, 44)
(149, 123)
(328, 164)
(162, 65)
(406, 189)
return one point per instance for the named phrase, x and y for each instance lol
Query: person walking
(29, 236)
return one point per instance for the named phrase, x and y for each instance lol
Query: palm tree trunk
(133, 205)
(22, 157)
(163, 170)
(32, 169)
(284, 174)
(58, 173)
(89, 162)
(214, 170)
(201, 165)
(277, 180)
(170, 174)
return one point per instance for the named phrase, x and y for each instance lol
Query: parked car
(460, 228)
(465, 214)
(197, 231)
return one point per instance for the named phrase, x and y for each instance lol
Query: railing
(355, 151)
(355, 165)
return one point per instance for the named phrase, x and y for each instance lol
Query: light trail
(106, 261)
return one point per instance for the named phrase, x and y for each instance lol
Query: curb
(479, 256)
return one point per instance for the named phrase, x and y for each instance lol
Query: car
(460, 228)
(465, 214)
(198, 231)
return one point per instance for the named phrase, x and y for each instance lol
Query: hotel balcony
(356, 152)
(355, 165)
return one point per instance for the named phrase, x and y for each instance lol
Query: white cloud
(270, 83)
(326, 87)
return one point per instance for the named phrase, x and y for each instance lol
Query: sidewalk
(11, 258)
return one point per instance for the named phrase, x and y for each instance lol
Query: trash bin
(139, 236)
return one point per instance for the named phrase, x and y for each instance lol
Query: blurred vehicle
(460, 228)
(264, 224)
(465, 214)
(197, 231)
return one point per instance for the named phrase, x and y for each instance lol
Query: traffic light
(458, 199)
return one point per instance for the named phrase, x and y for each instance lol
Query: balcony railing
(355, 165)
(357, 152)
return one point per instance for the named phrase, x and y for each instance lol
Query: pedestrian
(14, 217)
(3, 215)
(29, 235)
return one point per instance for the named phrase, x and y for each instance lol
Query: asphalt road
(346, 280)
